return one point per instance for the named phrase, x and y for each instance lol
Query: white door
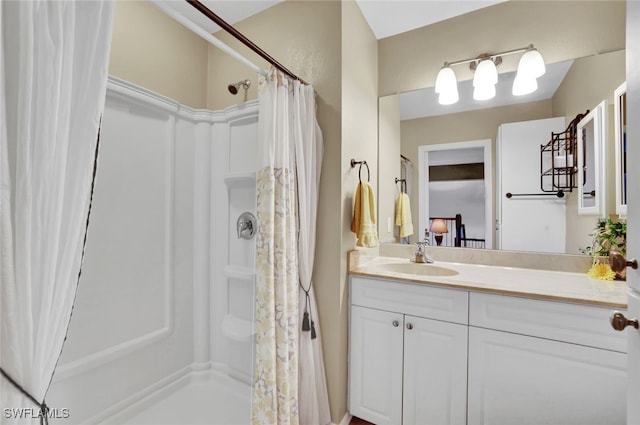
(633, 194)
(526, 220)
(375, 366)
(435, 372)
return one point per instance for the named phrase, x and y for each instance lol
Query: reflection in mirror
(620, 127)
(582, 70)
(527, 218)
(457, 183)
(591, 161)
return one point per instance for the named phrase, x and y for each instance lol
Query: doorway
(455, 178)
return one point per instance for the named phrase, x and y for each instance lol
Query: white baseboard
(346, 419)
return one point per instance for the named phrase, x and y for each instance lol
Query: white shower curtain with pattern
(53, 76)
(290, 384)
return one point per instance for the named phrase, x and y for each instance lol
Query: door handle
(409, 326)
(619, 321)
(395, 323)
(618, 262)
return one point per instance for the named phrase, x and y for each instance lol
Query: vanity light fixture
(530, 67)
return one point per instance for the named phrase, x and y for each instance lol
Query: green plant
(607, 236)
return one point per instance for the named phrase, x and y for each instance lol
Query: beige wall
(302, 35)
(359, 141)
(153, 51)
(462, 127)
(590, 81)
(559, 29)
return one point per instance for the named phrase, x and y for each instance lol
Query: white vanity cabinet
(422, 354)
(544, 362)
(407, 365)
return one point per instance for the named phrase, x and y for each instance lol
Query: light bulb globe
(484, 92)
(524, 85)
(531, 64)
(446, 80)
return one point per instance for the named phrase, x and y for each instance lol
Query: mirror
(592, 66)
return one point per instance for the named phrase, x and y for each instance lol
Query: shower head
(233, 88)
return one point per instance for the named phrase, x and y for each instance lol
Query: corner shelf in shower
(239, 273)
(237, 329)
(240, 179)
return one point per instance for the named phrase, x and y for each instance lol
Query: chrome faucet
(421, 257)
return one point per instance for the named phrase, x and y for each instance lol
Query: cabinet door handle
(409, 326)
(619, 321)
(395, 323)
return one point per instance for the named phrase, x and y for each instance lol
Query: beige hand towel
(363, 223)
(403, 215)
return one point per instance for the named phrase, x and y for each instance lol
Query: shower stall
(162, 328)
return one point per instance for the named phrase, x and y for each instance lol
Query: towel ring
(360, 171)
(361, 163)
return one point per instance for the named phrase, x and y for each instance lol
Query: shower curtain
(290, 385)
(312, 390)
(53, 76)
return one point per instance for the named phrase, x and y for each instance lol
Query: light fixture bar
(491, 56)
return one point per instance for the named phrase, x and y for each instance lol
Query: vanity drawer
(418, 300)
(573, 323)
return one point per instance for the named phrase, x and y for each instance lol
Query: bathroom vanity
(454, 343)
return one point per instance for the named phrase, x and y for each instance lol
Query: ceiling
(390, 17)
(385, 17)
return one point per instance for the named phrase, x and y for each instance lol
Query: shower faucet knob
(246, 226)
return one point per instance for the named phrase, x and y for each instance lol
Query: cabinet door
(435, 372)
(375, 366)
(516, 379)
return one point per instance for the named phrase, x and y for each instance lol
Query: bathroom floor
(358, 421)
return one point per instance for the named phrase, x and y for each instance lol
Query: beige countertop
(541, 284)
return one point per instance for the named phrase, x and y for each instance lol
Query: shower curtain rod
(242, 38)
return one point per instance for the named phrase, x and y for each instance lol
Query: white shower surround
(150, 309)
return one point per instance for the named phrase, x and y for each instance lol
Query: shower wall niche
(166, 293)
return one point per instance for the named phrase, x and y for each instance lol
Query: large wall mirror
(582, 44)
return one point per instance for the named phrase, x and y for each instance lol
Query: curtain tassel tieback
(306, 317)
(43, 414)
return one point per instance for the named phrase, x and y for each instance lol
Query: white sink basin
(418, 269)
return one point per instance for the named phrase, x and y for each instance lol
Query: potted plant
(609, 235)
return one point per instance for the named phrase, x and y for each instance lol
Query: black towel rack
(403, 184)
(361, 163)
(559, 194)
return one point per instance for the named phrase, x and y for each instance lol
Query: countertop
(540, 284)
